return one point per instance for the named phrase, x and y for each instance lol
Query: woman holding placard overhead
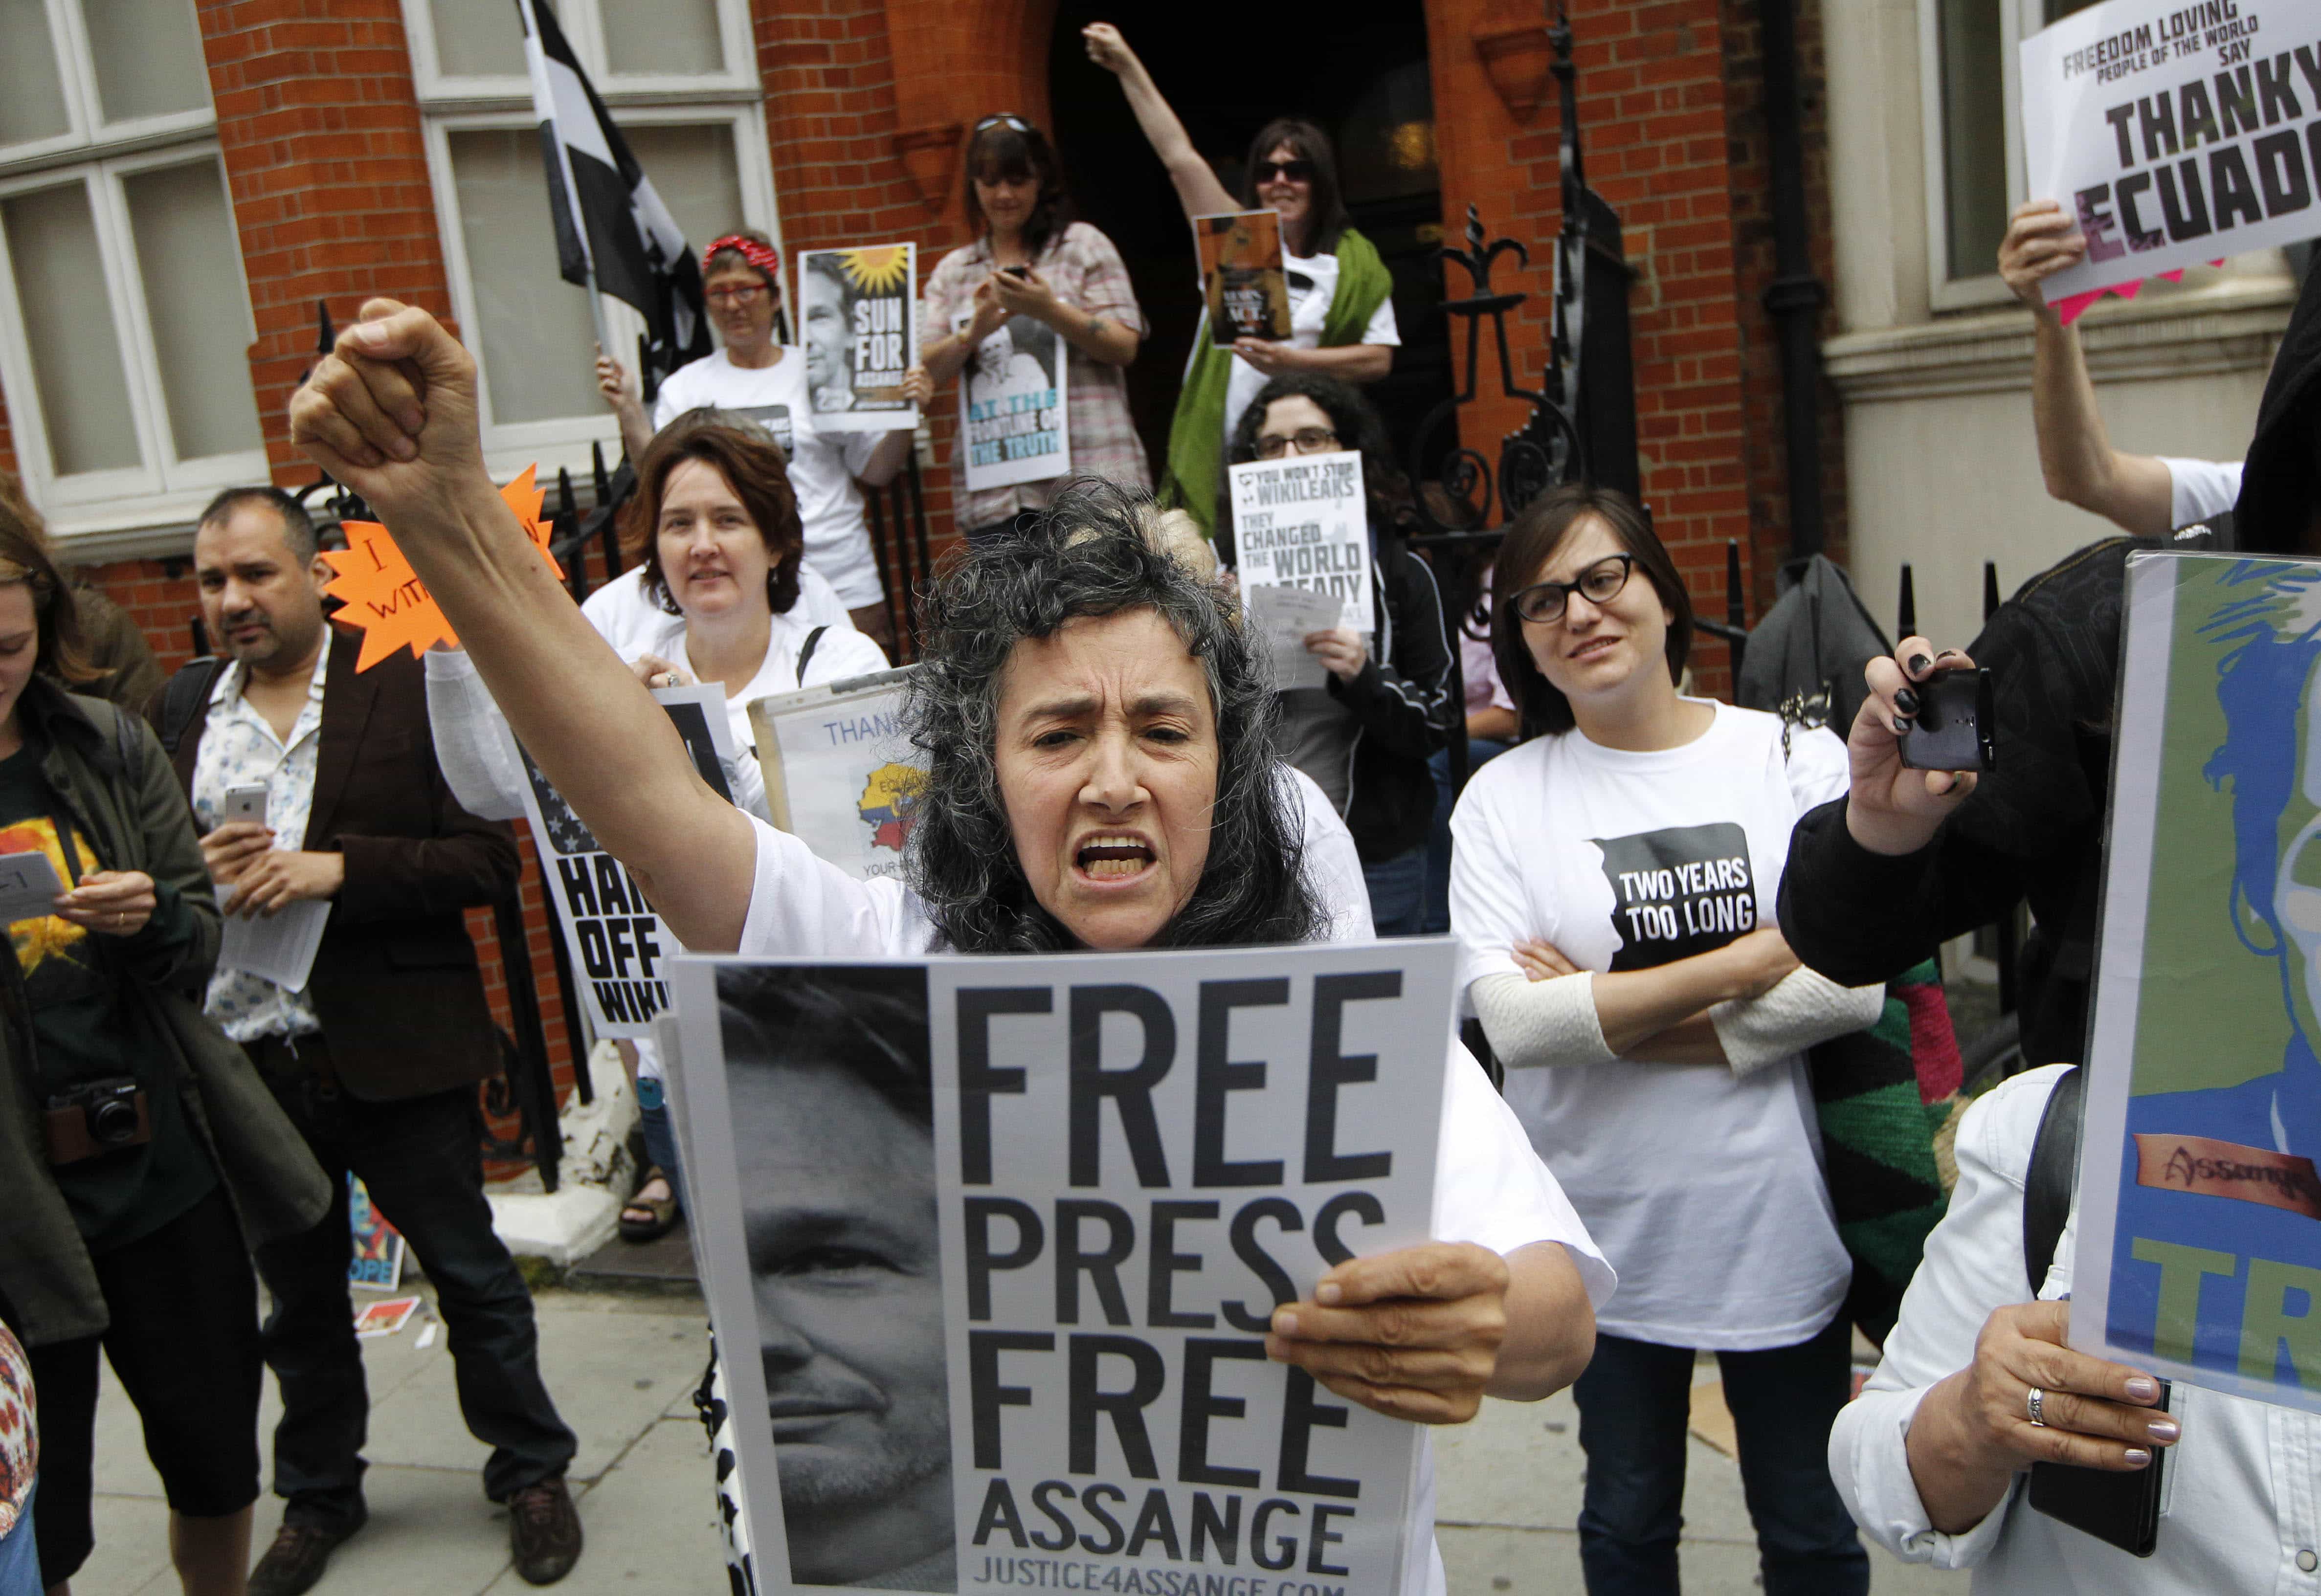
(1612, 885)
(767, 381)
(1383, 704)
(1033, 283)
(1341, 305)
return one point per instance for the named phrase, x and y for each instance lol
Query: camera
(97, 1117)
(1952, 729)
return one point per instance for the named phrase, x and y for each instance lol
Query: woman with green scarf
(1340, 311)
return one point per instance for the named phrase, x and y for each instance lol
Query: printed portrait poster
(1241, 278)
(856, 320)
(2199, 1219)
(618, 946)
(839, 775)
(1015, 423)
(993, 1244)
(2178, 132)
(376, 1262)
(1303, 520)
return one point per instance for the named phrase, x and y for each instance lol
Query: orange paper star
(385, 597)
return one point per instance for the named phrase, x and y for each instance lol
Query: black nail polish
(1920, 662)
(1906, 701)
(1900, 725)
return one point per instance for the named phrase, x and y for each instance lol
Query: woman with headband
(1032, 263)
(766, 382)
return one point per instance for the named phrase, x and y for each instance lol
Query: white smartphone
(246, 803)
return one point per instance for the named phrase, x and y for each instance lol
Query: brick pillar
(320, 127)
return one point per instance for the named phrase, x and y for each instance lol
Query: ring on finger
(2035, 1405)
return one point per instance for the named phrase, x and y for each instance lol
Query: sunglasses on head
(1295, 172)
(1006, 119)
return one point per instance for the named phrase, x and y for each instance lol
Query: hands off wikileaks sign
(1133, 1159)
(2176, 131)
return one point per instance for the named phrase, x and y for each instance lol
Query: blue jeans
(1634, 1402)
(20, 1563)
(422, 1161)
(1480, 751)
(1398, 892)
(659, 1134)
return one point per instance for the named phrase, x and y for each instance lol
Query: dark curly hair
(753, 466)
(1090, 555)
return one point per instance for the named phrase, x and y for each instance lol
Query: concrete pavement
(623, 1367)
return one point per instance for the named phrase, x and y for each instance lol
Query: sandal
(662, 1211)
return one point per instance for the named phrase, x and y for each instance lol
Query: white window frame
(76, 69)
(166, 488)
(2018, 20)
(453, 103)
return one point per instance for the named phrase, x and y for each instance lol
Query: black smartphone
(1952, 729)
(1024, 272)
(2122, 1509)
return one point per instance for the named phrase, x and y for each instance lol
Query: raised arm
(391, 412)
(2076, 457)
(1197, 187)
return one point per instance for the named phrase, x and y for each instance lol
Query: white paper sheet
(28, 884)
(1283, 616)
(279, 946)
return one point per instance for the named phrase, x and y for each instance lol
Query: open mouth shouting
(1114, 857)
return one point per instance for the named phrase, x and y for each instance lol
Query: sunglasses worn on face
(1294, 171)
(1306, 440)
(1599, 584)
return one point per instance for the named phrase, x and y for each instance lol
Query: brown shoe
(296, 1559)
(544, 1529)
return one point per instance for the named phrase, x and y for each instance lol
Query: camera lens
(112, 1124)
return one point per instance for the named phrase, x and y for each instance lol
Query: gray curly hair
(1090, 554)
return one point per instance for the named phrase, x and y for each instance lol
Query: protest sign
(2177, 131)
(374, 1319)
(1013, 422)
(382, 596)
(2199, 1217)
(860, 336)
(994, 1244)
(839, 775)
(618, 944)
(375, 1262)
(1303, 520)
(1241, 278)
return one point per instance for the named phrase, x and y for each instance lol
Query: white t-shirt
(623, 613)
(1704, 1188)
(1309, 307)
(1490, 1189)
(2199, 489)
(822, 465)
(842, 653)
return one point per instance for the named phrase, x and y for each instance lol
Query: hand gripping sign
(383, 596)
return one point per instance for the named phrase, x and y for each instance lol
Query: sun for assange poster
(993, 1244)
(2199, 1216)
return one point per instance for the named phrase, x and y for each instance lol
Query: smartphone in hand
(245, 803)
(1952, 729)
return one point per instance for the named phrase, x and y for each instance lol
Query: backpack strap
(128, 745)
(184, 699)
(2053, 1174)
(812, 641)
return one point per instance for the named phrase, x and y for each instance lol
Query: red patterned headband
(765, 258)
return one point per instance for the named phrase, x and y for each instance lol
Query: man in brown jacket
(378, 1056)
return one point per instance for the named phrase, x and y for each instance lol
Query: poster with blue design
(2198, 1189)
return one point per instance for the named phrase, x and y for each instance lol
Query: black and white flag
(607, 216)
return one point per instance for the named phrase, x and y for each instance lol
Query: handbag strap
(2053, 1174)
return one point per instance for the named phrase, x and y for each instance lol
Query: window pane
(148, 57)
(539, 345)
(193, 299)
(32, 96)
(1974, 136)
(477, 38)
(693, 169)
(68, 323)
(675, 36)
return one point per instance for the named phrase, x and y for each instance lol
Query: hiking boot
(296, 1559)
(544, 1530)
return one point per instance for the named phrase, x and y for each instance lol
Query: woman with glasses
(1341, 306)
(767, 381)
(1031, 264)
(1366, 735)
(1612, 885)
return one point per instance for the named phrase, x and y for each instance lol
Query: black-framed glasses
(1599, 584)
(1006, 119)
(1295, 172)
(1306, 440)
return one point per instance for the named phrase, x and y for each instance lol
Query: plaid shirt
(1084, 270)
